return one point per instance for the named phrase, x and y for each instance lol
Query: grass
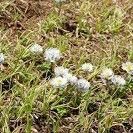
(99, 32)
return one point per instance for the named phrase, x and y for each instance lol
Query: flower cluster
(82, 84)
(108, 74)
(64, 78)
(50, 54)
(62, 75)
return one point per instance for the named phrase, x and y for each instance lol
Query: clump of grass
(52, 22)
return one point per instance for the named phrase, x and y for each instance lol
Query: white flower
(2, 58)
(87, 67)
(71, 79)
(52, 54)
(36, 48)
(128, 67)
(107, 73)
(118, 80)
(83, 84)
(59, 82)
(60, 71)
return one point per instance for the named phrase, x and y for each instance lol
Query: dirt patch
(20, 12)
(7, 84)
(16, 125)
(116, 129)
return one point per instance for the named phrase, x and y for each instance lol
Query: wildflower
(118, 80)
(128, 67)
(71, 79)
(87, 67)
(60, 71)
(52, 54)
(107, 73)
(83, 84)
(36, 48)
(59, 82)
(2, 58)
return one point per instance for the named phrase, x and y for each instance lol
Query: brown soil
(20, 14)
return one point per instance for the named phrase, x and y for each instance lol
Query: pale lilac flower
(61, 71)
(87, 67)
(52, 54)
(83, 84)
(36, 48)
(128, 67)
(107, 73)
(118, 80)
(71, 79)
(59, 82)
